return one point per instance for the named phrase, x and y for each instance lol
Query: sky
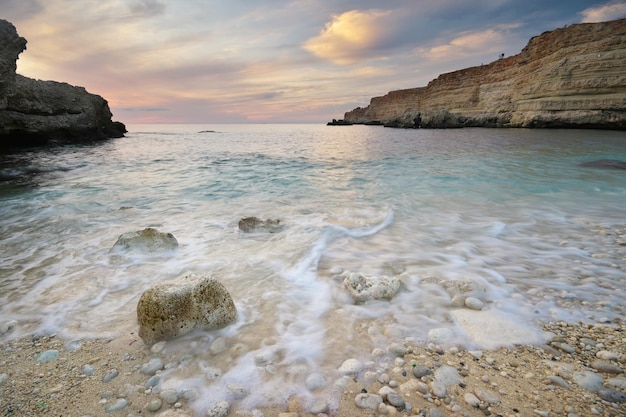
(271, 61)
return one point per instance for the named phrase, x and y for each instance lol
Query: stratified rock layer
(34, 112)
(571, 77)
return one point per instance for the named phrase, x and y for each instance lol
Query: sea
(510, 217)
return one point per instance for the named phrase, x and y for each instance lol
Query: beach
(564, 377)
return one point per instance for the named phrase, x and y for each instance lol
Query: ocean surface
(509, 217)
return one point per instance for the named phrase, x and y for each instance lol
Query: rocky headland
(34, 112)
(572, 77)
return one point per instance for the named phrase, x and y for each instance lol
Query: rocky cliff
(34, 112)
(573, 77)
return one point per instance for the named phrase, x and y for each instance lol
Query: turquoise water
(506, 216)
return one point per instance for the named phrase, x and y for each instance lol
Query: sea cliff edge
(35, 112)
(572, 77)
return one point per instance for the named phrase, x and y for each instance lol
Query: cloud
(146, 8)
(470, 44)
(349, 37)
(609, 11)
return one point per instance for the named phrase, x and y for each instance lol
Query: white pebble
(351, 366)
(474, 303)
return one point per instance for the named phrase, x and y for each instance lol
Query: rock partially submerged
(254, 224)
(148, 239)
(362, 288)
(605, 164)
(175, 308)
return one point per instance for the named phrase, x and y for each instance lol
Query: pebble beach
(579, 371)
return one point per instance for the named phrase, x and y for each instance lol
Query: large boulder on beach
(177, 307)
(363, 288)
(255, 225)
(148, 240)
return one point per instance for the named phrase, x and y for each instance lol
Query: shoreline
(579, 372)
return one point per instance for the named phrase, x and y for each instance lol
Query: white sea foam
(451, 213)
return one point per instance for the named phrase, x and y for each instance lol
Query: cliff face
(570, 77)
(34, 112)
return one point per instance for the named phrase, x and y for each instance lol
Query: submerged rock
(177, 307)
(148, 239)
(254, 224)
(362, 288)
(605, 164)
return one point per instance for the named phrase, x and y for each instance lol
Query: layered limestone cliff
(34, 112)
(572, 77)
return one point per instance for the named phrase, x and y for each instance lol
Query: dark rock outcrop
(34, 112)
(573, 77)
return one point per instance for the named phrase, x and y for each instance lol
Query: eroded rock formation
(571, 77)
(34, 112)
(175, 308)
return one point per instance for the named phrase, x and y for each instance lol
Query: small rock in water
(370, 401)
(170, 396)
(152, 382)
(439, 335)
(47, 356)
(315, 381)
(220, 409)
(395, 400)
(318, 407)
(151, 368)
(237, 391)
(351, 366)
(474, 303)
(7, 326)
(110, 375)
(120, 404)
(154, 405)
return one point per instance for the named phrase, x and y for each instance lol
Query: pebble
(421, 371)
(315, 381)
(154, 405)
(153, 365)
(435, 412)
(439, 335)
(619, 382)
(607, 355)
(87, 370)
(395, 400)
(438, 389)
(474, 303)
(612, 395)
(152, 382)
(7, 326)
(471, 400)
(486, 395)
(351, 366)
(606, 367)
(170, 396)
(158, 347)
(557, 380)
(370, 401)
(220, 409)
(47, 356)
(318, 407)
(565, 347)
(237, 391)
(3, 378)
(110, 375)
(588, 380)
(541, 413)
(447, 375)
(120, 404)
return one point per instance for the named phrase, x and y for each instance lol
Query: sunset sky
(206, 61)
